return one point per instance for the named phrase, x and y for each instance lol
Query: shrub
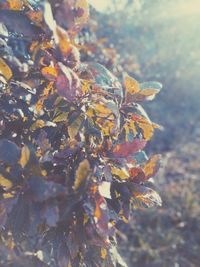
(72, 164)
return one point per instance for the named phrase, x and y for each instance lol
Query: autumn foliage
(72, 164)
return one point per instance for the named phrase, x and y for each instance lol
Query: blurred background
(159, 40)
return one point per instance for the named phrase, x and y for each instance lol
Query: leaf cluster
(72, 164)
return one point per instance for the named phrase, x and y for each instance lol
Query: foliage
(169, 236)
(72, 164)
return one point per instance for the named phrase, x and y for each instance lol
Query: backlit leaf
(145, 197)
(120, 173)
(82, 173)
(50, 73)
(137, 92)
(131, 85)
(13, 4)
(25, 156)
(152, 166)
(5, 70)
(75, 126)
(127, 149)
(64, 41)
(5, 183)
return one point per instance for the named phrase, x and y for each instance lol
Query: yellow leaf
(5, 70)
(86, 85)
(25, 156)
(131, 85)
(82, 173)
(37, 124)
(107, 127)
(152, 165)
(123, 217)
(145, 125)
(7, 184)
(85, 219)
(103, 253)
(47, 91)
(102, 110)
(8, 195)
(157, 126)
(50, 73)
(147, 130)
(121, 173)
(16, 4)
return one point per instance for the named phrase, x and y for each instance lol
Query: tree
(72, 164)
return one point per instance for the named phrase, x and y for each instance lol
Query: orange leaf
(64, 44)
(50, 73)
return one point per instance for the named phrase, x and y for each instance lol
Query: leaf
(104, 79)
(5, 183)
(127, 149)
(116, 258)
(152, 166)
(145, 197)
(145, 125)
(104, 189)
(82, 173)
(103, 253)
(5, 70)
(9, 152)
(75, 126)
(131, 85)
(61, 117)
(13, 4)
(68, 84)
(137, 175)
(41, 124)
(47, 91)
(95, 207)
(50, 73)
(120, 173)
(151, 85)
(136, 92)
(64, 42)
(25, 156)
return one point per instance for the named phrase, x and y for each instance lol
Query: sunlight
(188, 7)
(106, 5)
(181, 8)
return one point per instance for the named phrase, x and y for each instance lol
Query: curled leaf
(145, 197)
